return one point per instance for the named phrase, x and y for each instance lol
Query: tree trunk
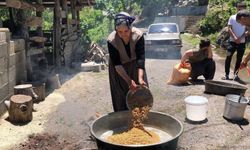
(25, 89)
(21, 107)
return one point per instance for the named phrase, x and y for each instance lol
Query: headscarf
(122, 19)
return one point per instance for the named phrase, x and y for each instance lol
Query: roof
(51, 3)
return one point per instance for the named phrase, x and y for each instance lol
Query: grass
(189, 38)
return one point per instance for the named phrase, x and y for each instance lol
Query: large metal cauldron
(223, 88)
(167, 127)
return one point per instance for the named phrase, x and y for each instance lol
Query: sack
(180, 74)
(223, 38)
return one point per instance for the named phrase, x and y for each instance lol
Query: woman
(201, 60)
(127, 60)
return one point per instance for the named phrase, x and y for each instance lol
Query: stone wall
(12, 65)
(188, 11)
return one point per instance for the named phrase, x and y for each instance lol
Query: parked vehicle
(163, 40)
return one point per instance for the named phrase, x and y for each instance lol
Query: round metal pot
(235, 106)
(223, 88)
(169, 128)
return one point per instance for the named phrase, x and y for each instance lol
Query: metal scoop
(139, 98)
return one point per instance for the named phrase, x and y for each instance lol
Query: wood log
(26, 5)
(38, 39)
(21, 107)
(72, 21)
(79, 8)
(39, 89)
(13, 3)
(25, 89)
(35, 51)
(38, 7)
(34, 22)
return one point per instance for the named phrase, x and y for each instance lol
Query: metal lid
(141, 97)
(196, 100)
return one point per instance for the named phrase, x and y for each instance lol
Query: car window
(163, 28)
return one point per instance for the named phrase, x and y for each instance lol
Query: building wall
(12, 65)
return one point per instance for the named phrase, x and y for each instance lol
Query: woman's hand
(243, 64)
(142, 82)
(132, 86)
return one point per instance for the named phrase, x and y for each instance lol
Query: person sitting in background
(201, 60)
(243, 17)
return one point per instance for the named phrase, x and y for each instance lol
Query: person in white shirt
(237, 42)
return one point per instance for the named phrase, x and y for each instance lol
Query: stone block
(3, 108)
(2, 37)
(4, 77)
(19, 45)
(12, 48)
(12, 73)
(4, 91)
(3, 64)
(7, 33)
(3, 49)
(12, 60)
(11, 87)
(20, 58)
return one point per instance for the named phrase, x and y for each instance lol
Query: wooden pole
(39, 30)
(57, 33)
(73, 9)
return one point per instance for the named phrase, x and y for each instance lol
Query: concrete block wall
(12, 65)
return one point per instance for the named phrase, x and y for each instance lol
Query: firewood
(34, 22)
(26, 5)
(38, 39)
(25, 89)
(13, 3)
(21, 107)
(38, 7)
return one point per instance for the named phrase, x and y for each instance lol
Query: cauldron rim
(141, 146)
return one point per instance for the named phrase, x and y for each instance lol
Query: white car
(163, 40)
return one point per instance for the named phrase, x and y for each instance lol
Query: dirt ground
(62, 120)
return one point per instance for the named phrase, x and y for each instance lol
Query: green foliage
(214, 21)
(218, 15)
(94, 24)
(48, 19)
(190, 39)
(4, 14)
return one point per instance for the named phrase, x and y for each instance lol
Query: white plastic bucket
(196, 108)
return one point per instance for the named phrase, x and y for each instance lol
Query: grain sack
(180, 74)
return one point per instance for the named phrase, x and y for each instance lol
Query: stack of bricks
(4, 67)
(12, 65)
(18, 47)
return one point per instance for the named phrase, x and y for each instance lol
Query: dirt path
(67, 112)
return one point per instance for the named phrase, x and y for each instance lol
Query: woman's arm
(131, 83)
(186, 55)
(140, 59)
(210, 52)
